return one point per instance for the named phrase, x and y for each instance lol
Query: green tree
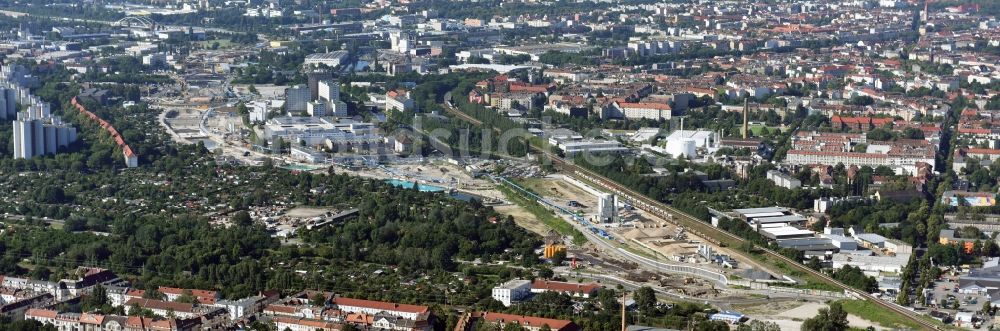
(187, 297)
(97, 298)
(645, 300)
(242, 218)
(833, 318)
(903, 298)
(318, 299)
(758, 325)
(152, 294)
(814, 263)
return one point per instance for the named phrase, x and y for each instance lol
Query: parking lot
(945, 295)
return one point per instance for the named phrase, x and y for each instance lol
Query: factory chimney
(746, 118)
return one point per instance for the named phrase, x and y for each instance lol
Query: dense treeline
(854, 277)
(637, 174)
(406, 228)
(7, 323)
(603, 311)
(413, 232)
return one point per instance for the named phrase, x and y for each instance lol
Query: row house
(302, 309)
(98, 322)
(859, 123)
(471, 321)
(203, 296)
(984, 156)
(162, 308)
(638, 110)
(572, 289)
(65, 288)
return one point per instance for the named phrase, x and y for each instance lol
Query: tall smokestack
(925, 16)
(746, 118)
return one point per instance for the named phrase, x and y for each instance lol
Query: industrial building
(681, 147)
(572, 144)
(332, 59)
(317, 130)
(703, 139)
(607, 207)
(785, 227)
(871, 264)
(769, 216)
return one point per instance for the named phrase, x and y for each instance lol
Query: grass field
(223, 43)
(544, 215)
(756, 129)
(877, 314)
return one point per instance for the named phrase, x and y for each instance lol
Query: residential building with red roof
(203, 296)
(639, 110)
(90, 321)
(351, 305)
(572, 289)
(901, 155)
(379, 315)
(531, 323)
(304, 324)
(162, 308)
(983, 156)
(863, 123)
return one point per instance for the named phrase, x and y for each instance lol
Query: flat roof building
(512, 291)
(331, 59)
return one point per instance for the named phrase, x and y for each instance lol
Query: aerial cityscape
(481, 165)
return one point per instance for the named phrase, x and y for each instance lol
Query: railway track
(694, 225)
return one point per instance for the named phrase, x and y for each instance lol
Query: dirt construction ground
(790, 314)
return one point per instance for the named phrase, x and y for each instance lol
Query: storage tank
(681, 147)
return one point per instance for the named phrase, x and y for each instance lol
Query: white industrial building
(703, 139)
(872, 264)
(681, 147)
(318, 130)
(332, 59)
(607, 207)
(842, 242)
(573, 144)
(686, 143)
(783, 232)
(512, 291)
